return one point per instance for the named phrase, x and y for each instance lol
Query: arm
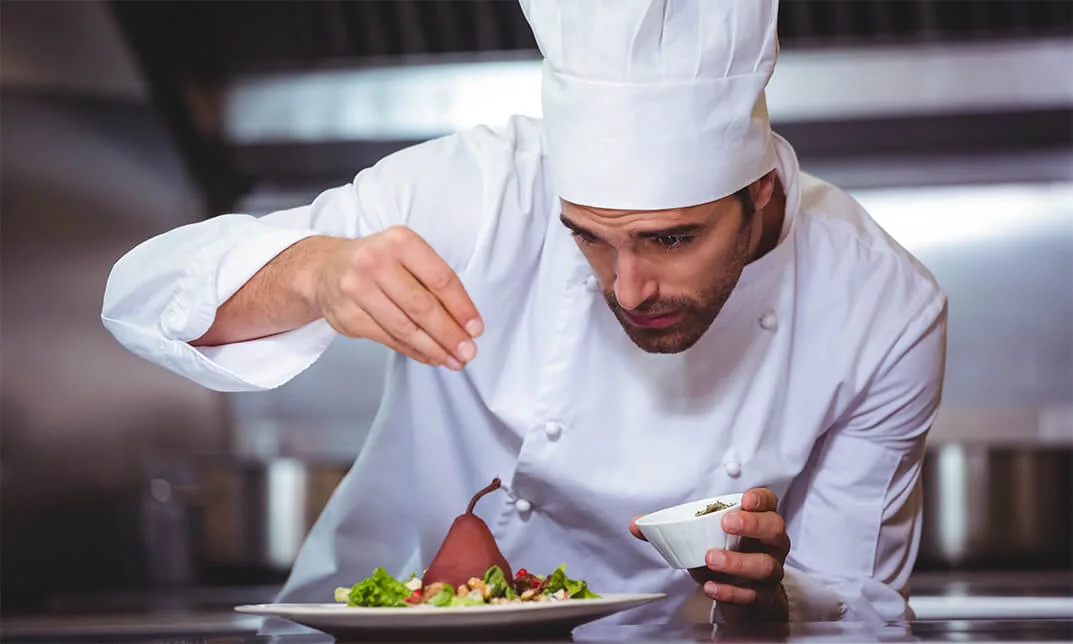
(280, 297)
(846, 542)
(854, 522)
(228, 302)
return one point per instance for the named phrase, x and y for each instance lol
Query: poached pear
(468, 550)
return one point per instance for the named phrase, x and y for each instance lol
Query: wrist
(308, 259)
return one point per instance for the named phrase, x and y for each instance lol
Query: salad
(383, 590)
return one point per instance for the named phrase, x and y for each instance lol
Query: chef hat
(653, 104)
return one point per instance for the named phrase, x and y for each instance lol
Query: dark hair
(746, 201)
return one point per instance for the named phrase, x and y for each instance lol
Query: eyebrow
(681, 229)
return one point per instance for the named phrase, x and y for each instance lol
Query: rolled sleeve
(165, 292)
(155, 306)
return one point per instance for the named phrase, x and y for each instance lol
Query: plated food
(468, 570)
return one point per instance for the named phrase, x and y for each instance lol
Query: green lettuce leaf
(497, 581)
(443, 598)
(381, 589)
(575, 588)
(467, 600)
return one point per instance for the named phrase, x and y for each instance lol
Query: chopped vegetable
(576, 588)
(381, 589)
(498, 584)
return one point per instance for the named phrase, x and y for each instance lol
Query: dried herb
(713, 507)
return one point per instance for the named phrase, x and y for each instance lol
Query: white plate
(497, 620)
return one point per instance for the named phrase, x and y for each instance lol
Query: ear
(761, 190)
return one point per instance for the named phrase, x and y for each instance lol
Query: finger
(729, 594)
(422, 307)
(747, 566)
(381, 336)
(430, 269)
(766, 527)
(361, 325)
(634, 530)
(404, 331)
(760, 499)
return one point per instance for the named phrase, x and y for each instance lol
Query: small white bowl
(683, 538)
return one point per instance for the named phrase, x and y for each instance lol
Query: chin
(667, 341)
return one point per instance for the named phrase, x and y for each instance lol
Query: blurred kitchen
(127, 488)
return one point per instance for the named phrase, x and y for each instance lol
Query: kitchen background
(951, 120)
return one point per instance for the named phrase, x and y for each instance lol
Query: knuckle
(350, 284)
(365, 258)
(419, 302)
(397, 235)
(442, 280)
(405, 328)
(735, 563)
(778, 524)
(768, 567)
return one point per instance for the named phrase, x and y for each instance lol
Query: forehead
(609, 221)
(610, 216)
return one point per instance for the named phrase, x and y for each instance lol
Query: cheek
(699, 270)
(602, 260)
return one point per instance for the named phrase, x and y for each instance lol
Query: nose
(632, 287)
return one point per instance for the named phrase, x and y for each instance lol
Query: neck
(770, 218)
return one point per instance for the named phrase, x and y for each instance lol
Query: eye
(672, 241)
(583, 238)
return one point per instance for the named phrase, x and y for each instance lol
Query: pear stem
(476, 497)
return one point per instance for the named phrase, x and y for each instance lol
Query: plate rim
(277, 609)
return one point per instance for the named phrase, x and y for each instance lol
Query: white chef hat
(653, 104)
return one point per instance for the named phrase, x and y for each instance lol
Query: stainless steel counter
(1059, 630)
(1036, 606)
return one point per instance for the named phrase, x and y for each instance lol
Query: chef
(637, 300)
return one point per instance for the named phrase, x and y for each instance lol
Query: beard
(697, 313)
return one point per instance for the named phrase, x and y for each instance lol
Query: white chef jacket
(819, 379)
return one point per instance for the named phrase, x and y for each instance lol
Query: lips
(652, 321)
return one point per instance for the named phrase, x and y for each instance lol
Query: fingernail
(475, 327)
(716, 559)
(453, 364)
(710, 589)
(466, 350)
(732, 522)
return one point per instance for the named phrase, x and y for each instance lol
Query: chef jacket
(819, 379)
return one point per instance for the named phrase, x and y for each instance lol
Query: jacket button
(523, 506)
(732, 468)
(769, 321)
(553, 429)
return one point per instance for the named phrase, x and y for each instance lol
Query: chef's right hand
(391, 287)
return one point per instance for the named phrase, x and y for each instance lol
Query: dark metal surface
(168, 80)
(192, 49)
(953, 137)
(998, 507)
(234, 36)
(1057, 630)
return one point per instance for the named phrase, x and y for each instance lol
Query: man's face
(665, 273)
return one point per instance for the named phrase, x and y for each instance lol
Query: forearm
(280, 297)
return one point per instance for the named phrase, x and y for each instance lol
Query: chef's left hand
(747, 584)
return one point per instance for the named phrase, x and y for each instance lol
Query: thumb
(634, 530)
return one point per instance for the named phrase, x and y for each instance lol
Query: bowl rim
(652, 519)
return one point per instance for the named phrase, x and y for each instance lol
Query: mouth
(649, 321)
